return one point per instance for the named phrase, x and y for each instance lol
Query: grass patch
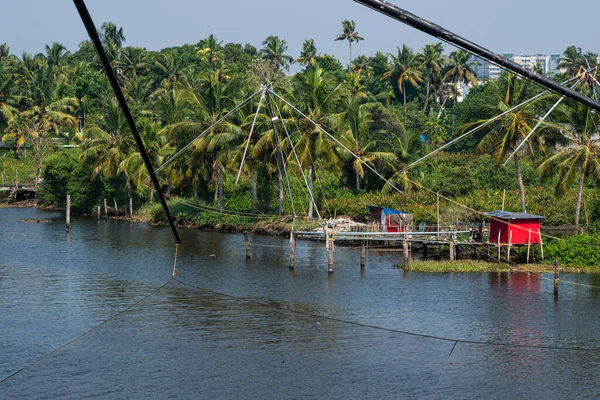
(455, 266)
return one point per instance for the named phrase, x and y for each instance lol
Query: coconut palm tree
(112, 39)
(571, 60)
(460, 69)
(350, 34)
(318, 96)
(274, 51)
(432, 62)
(504, 134)
(211, 51)
(579, 157)
(308, 56)
(172, 69)
(405, 69)
(56, 54)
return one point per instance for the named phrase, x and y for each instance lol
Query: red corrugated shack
(525, 228)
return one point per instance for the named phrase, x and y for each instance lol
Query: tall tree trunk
(350, 63)
(220, 188)
(357, 182)
(404, 93)
(281, 194)
(521, 186)
(579, 197)
(426, 96)
(310, 191)
(254, 189)
(195, 188)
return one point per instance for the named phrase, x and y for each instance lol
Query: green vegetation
(581, 251)
(390, 110)
(456, 266)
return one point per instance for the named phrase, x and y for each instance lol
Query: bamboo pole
(405, 251)
(116, 208)
(509, 245)
(330, 252)
(131, 209)
(541, 243)
(452, 248)
(98, 212)
(68, 212)
(438, 212)
(499, 233)
(528, 245)
(105, 210)
(503, 198)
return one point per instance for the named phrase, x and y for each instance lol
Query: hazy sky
(518, 26)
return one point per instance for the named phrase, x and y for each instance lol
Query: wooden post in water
(541, 243)
(452, 248)
(329, 251)
(131, 209)
(68, 213)
(116, 208)
(98, 212)
(405, 250)
(292, 249)
(247, 241)
(105, 210)
(363, 252)
(556, 276)
(528, 245)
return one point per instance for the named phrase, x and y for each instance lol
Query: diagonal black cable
(93, 33)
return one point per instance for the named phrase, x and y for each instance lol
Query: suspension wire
(335, 140)
(539, 123)
(287, 178)
(478, 128)
(206, 131)
(312, 199)
(282, 168)
(88, 331)
(283, 310)
(262, 96)
(175, 272)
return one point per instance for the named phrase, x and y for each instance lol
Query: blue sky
(525, 26)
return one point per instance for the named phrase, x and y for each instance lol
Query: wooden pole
(292, 249)
(116, 208)
(330, 253)
(541, 243)
(452, 248)
(556, 276)
(438, 213)
(503, 198)
(98, 212)
(425, 251)
(528, 245)
(405, 250)
(105, 210)
(363, 252)
(247, 241)
(509, 245)
(499, 232)
(68, 213)
(131, 209)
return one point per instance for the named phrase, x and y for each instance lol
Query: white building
(547, 63)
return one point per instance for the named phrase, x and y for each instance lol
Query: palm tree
(432, 62)
(308, 56)
(112, 39)
(350, 34)
(274, 51)
(460, 69)
(571, 60)
(172, 70)
(579, 157)
(107, 145)
(405, 69)
(318, 96)
(504, 134)
(358, 120)
(56, 54)
(211, 51)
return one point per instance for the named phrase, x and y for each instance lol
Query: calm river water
(254, 330)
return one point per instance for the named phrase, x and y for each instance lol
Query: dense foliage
(389, 110)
